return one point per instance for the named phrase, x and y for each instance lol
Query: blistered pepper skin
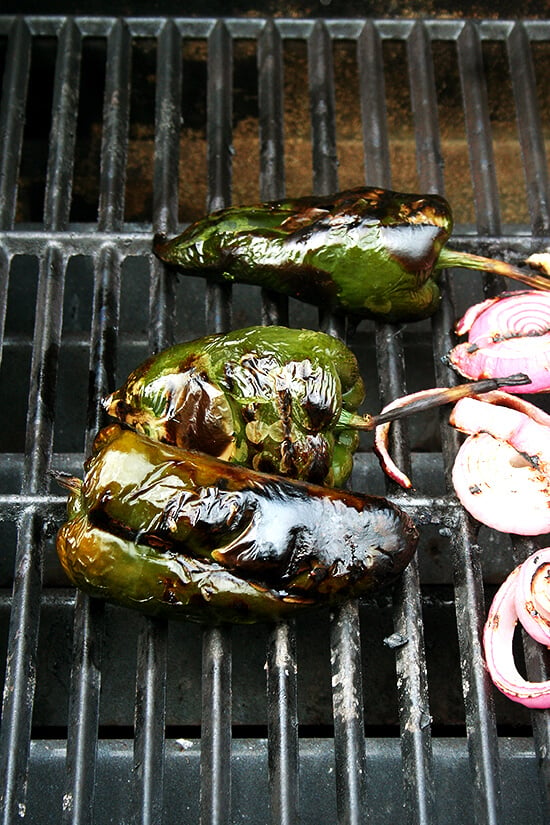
(271, 398)
(367, 251)
(178, 533)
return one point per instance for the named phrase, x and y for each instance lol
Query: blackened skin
(369, 252)
(274, 543)
(271, 398)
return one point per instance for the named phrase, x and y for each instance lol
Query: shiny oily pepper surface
(178, 533)
(368, 252)
(271, 398)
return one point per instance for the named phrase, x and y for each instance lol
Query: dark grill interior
(112, 129)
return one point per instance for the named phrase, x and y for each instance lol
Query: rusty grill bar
(153, 768)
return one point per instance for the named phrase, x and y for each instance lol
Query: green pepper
(370, 252)
(172, 532)
(271, 398)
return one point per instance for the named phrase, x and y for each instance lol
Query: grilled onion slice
(506, 335)
(500, 488)
(501, 623)
(501, 474)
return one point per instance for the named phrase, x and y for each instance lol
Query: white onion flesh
(500, 488)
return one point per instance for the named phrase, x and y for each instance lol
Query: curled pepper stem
(66, 480)
(466, 260)
(427, 400)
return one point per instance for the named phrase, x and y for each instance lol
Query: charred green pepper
(172, 532)
(272, 398)
(370, 252)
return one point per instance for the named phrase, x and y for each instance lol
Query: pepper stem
(66, 480)
(428, 399)
(466, 260)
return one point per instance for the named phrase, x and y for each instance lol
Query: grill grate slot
(209, 767)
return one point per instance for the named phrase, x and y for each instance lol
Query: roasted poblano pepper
(271, 398)
(370, 252)
(177, 533)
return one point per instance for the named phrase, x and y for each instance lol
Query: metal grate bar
(281, 663)
(89, 617)
(215, 791)
(321, 88)
(412, 682)
(115, 129)
(282, 723)
(20, 676)
(22, 647)
(429, 158)
(149, 721)
(373, 107)
(478, 130)
(80, 764)
(271, 120)
(470, 610)
(165, 183)
(530, 131)
(57, 204)
(219, 148)
(345, 659)
(271, 112)
(150, 707)
(414, 713)
(469, 606)
(347, 704)
(12, 117)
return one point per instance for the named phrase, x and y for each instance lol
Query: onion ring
(438, 396)
(533, 597)
(507, 334)
(498, 637)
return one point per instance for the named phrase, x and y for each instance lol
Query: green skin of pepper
(170, 532)
(173, 585)
(270, 398)
(369, 252)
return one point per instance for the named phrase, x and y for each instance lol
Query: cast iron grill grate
(108, 717)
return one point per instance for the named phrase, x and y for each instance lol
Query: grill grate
(69, 746)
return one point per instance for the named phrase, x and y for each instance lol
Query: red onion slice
(498, 636)
(427, 399)
(504, 399)
(500, 488)
(506, 335)
(527, 436)
(381, 448)
(532, 596)
(472, 313)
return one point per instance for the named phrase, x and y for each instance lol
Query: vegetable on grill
(427, 399)
(525, 595)
(506, 334)
(502, 471)
(370, 252)
(178, 533)
(270, 398)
